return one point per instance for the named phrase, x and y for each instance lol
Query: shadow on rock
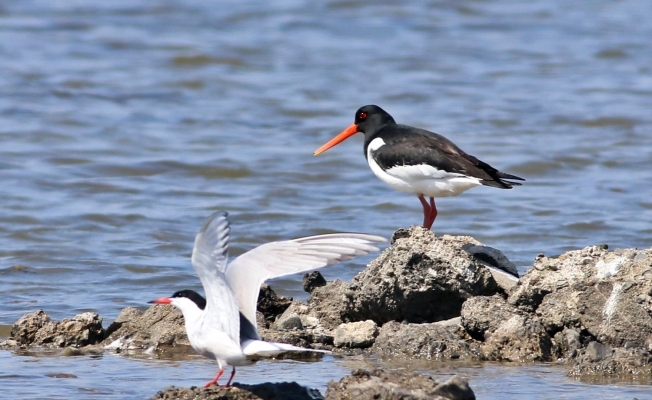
(379, 384)
(360, 385)
(263, 391)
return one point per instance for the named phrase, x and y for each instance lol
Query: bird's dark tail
(499, 180)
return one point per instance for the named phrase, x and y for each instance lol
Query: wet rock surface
(360, 385)
(444, 340)
(379, 384)
(159, 327)
(263, 391)
(507, 334)
(37, 329)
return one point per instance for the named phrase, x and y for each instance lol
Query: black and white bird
(418, 161)
(223, 326)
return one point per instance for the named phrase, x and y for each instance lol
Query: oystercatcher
(223, 325)
(417, 161)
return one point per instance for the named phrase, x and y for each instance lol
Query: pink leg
(214, 381)
(231, 378)
(432, 214)
(426, 211)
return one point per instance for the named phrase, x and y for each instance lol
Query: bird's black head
(371, 118)
(368, 120)
(192, 295)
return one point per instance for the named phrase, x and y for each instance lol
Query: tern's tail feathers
(270, 349)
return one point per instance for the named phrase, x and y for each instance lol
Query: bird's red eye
(362, 115)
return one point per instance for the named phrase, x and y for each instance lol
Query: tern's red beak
(345, 134)
(162, 300)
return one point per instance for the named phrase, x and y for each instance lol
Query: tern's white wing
(209, 257)
(246, 273)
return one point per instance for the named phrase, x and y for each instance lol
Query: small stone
(293, 321)
(627, 286)
(271, 304)
(356, 334)
(596, 351)
(313, 280)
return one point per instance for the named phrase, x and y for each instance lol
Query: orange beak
(347, 133)
(162, 300)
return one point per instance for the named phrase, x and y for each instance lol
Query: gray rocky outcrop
(263, 391)
(590, 300)
(506, 333)
(37, 329)
(599, 359)
(159, 327)
(420, 278)
(432, 298)
(443, 340)
(360, 385)
(271, 305)
(394, 385)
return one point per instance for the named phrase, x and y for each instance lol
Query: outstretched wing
(209, 257)
(246, 273)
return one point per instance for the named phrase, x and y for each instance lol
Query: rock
(600, 360)
(330, 304)
(602, 294)
(356, 334)
(567, 343)
(288, 322)
(444, 340)
(482, 315)
(394, 385)
(311, 326)
(37, 329)
(597, 351)
(520, 338)
(420, 278)
(313, 280)
(159, 327)
(24, 330)
(507, 333)
(263, 391)
(270, 304)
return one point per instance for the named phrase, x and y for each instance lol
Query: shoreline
(587, 309)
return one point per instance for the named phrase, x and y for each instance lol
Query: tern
(223, 325)
(418, 161)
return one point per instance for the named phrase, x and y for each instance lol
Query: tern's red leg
(231, 378)
(432, 214)
(214, 381)
(426, 211)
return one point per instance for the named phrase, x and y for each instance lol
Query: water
(124, 124)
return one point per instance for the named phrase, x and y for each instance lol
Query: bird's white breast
(419, 179)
